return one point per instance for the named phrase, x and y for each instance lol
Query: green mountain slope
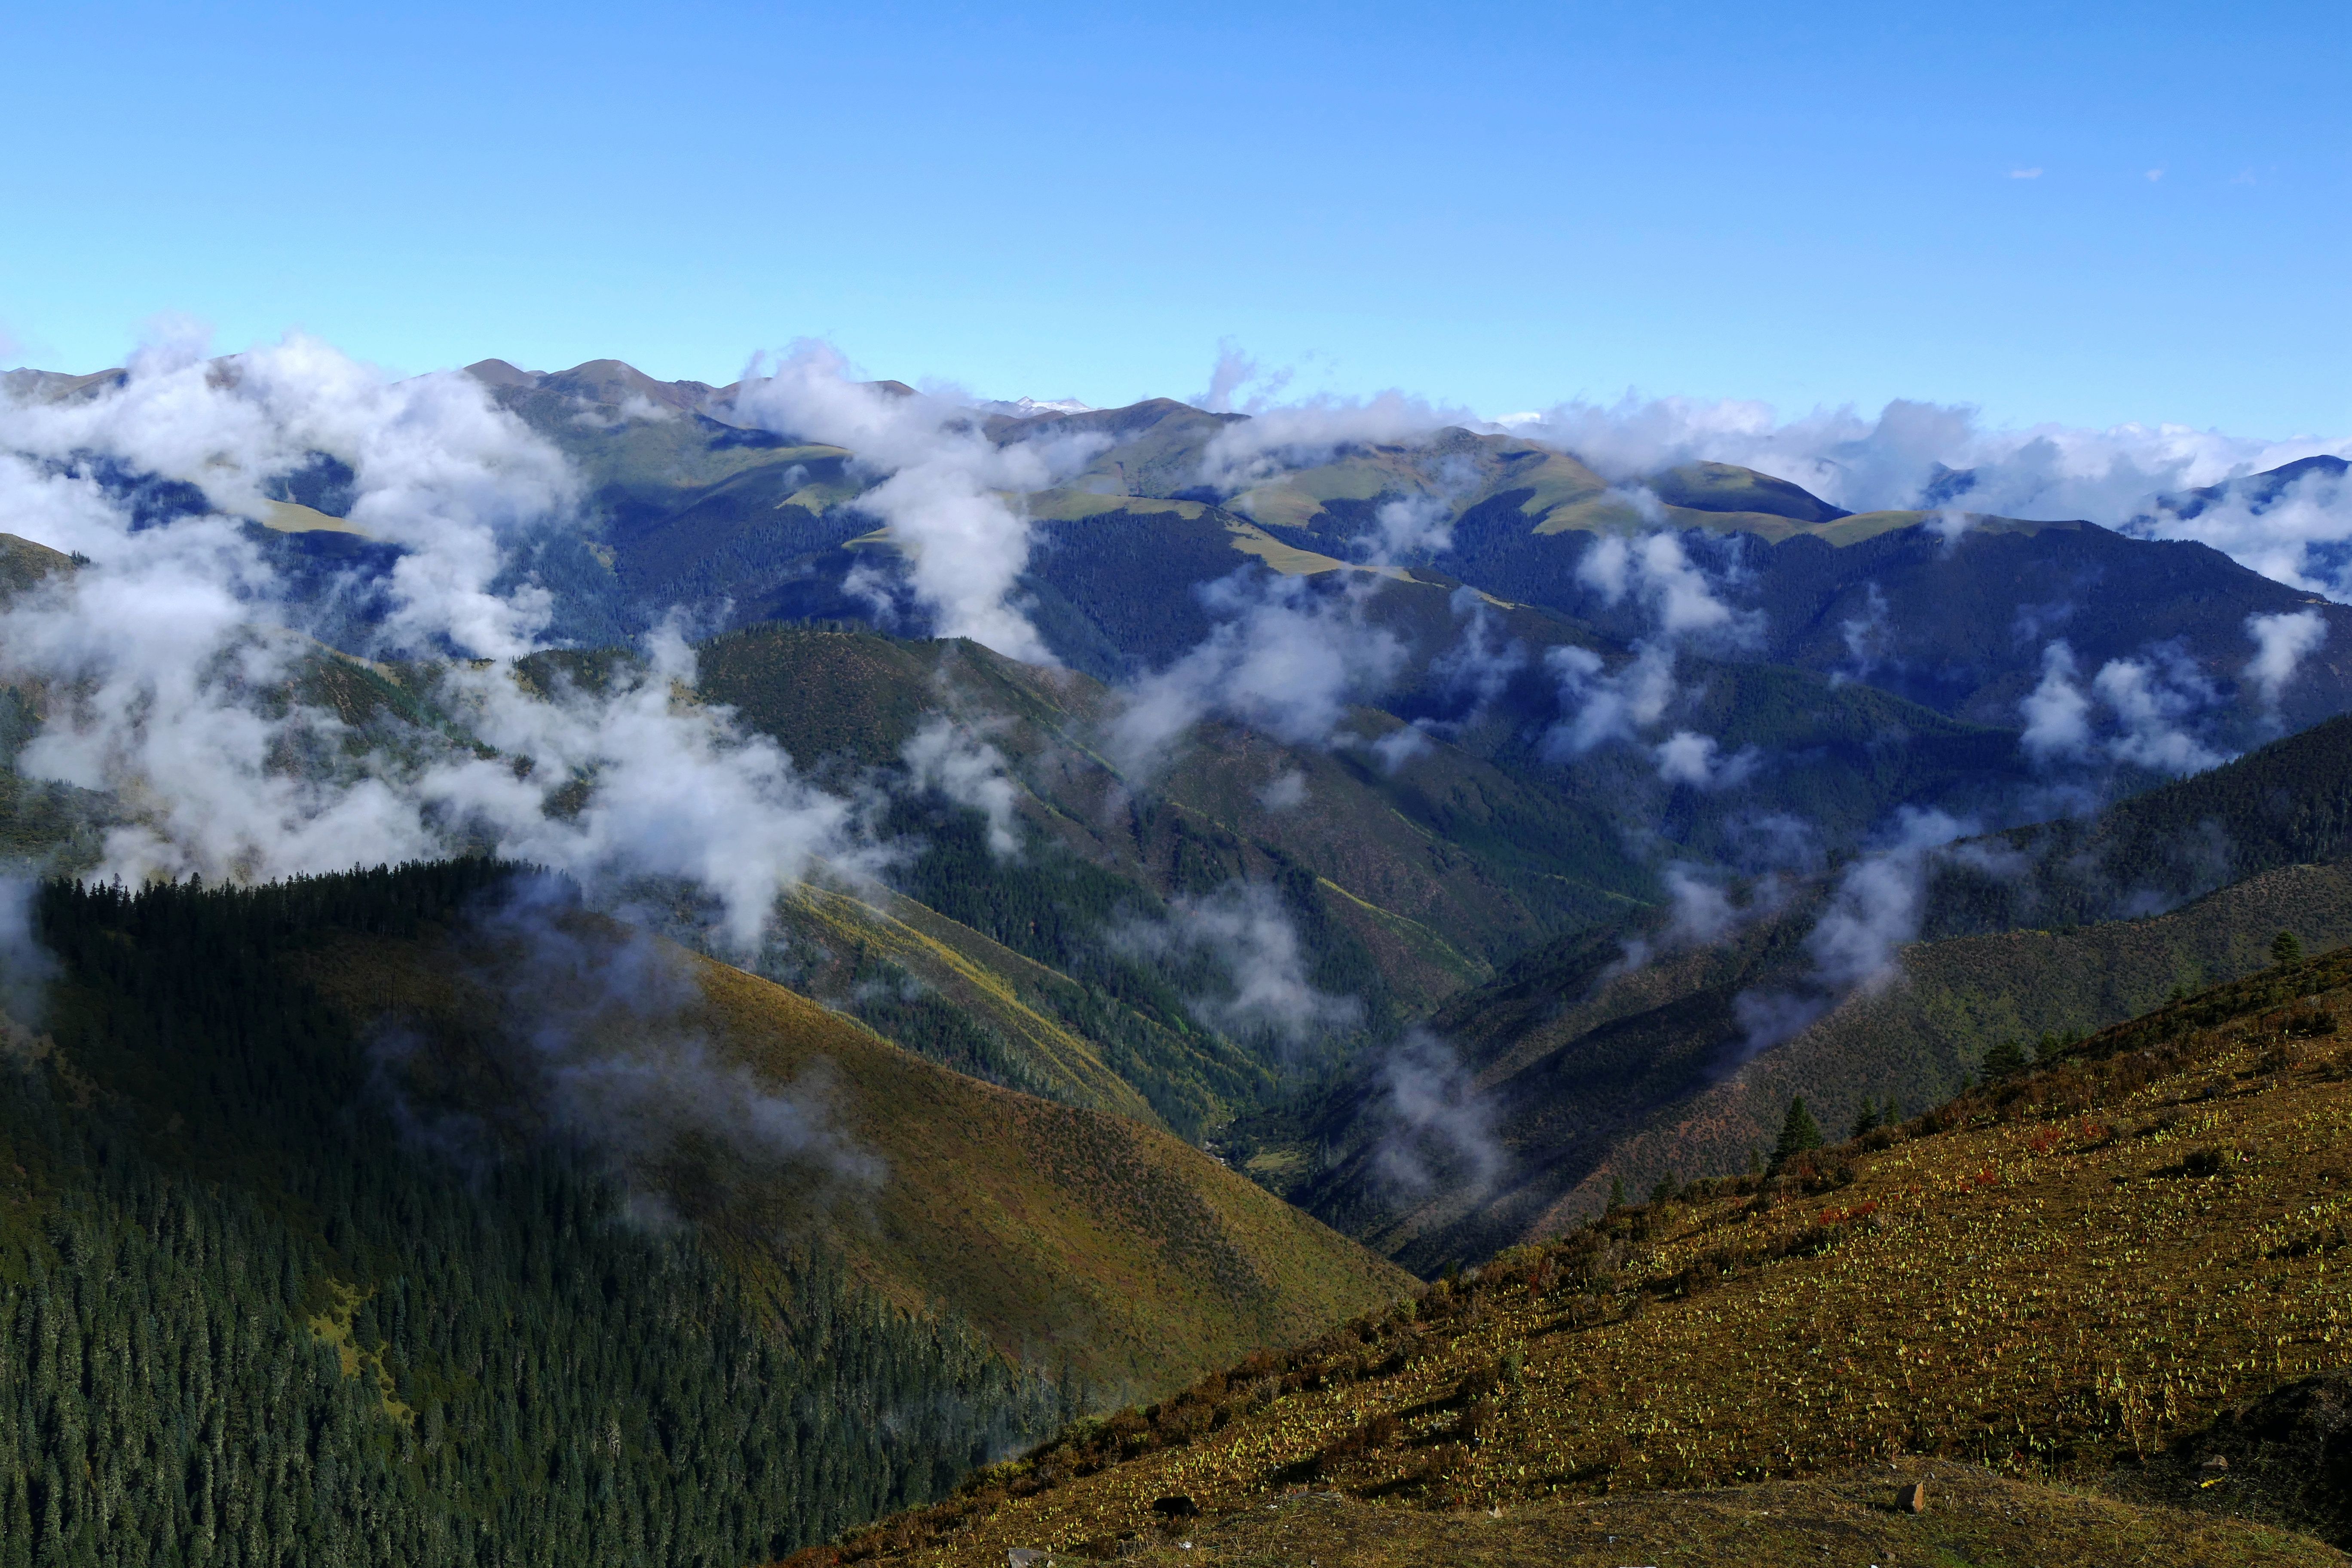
(313, 1243)
(245, 1317)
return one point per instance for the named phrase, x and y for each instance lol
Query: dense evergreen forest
(243, 1322)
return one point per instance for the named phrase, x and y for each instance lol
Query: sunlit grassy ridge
(2055, 1274)
(1073, 1239)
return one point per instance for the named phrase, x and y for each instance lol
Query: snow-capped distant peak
(1030, 407)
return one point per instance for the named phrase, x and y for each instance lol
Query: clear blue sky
(1493, 205)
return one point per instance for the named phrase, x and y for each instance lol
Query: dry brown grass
(2048, 1278)
(1972, 1517)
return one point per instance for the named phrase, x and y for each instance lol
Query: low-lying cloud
(173, 665)
(1289, 657)
(2282, 642)
(1874, 911)
(947, 756)
(2149, 702)
(1947, 459)
(943, 489)
(1433, 1129)
(600, 1031)
(1252, 945)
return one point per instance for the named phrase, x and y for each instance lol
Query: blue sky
(1497, 207)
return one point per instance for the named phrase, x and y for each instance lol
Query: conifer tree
(2286, 948)
(1868, 1118)
(1798, 1133)
(2004, 1060)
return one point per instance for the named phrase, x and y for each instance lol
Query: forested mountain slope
(1597, 1060)
(319, 1243)
(705, 506)
(1401, 885)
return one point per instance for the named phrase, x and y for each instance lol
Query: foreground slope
(2066, 1273)
(1854, 1518)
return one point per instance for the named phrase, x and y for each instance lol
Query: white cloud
(1233, 371)
(2057, 711)
(1701, 911)
(947, 756)
(1872, 913)
(1656, 569)
(1607, 705)
(1286, 791)
(2149, 702)
(168, 679)
(2301, 536)
(1304, 435)
(1245, 930)
(1939, 456)
(1686, 757)
(1287, 657)
(945, 490)
(1401, 745)
(2281, 642)
(1435, 1126)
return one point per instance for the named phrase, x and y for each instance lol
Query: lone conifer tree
(2004, 1059)
(1798, 1133)
(2286, 948)
(1616, 1194)
(1868, 1118)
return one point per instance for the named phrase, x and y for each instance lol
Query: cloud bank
(173, 666)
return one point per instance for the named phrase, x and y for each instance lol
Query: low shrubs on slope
(2054, 1275)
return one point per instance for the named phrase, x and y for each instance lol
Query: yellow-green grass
(1076, 506)
(980, 976)
(1292, 561)
(2049, 1277)
(24, 563)
(1072, 1237)
(1954, 999)
(292, 517)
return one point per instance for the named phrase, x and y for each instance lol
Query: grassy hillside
(1071, 1238)
(1451, 845)
(1650, 1093)
(1975, 1518)
(2058, 1277)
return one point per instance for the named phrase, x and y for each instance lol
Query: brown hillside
(2056, 1276)
(1074, 1238)
(1972, 1517)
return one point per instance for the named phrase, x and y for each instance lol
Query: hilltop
(2082, 1273)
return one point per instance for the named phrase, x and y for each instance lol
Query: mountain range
(1237, 870)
